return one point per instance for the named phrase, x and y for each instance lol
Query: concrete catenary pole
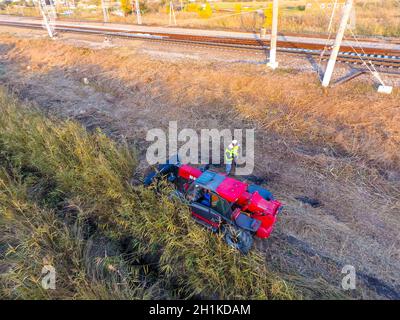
(273, 64)
(138, 14)
(338, 41)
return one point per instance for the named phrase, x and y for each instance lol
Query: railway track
(386, 59)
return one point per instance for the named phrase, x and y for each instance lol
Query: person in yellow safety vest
(231, 155)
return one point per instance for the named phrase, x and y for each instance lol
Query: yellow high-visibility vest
(235, 151)
(228, 155)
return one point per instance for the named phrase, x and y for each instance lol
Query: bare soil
(331, 156)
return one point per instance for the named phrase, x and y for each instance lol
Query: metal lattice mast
(105, 10)
(171, 13)
(49, 15)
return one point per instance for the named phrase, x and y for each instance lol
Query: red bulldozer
(239, 210)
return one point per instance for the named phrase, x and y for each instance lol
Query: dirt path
(353, 220)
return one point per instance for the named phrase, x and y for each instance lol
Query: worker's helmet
(234, 142)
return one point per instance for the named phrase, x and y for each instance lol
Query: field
(370, 18)
(338, 147)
